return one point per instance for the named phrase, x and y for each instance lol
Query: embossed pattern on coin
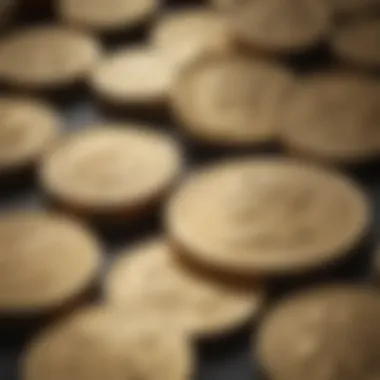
(323, 334)
(98, 343)
(229, 100)
(267, 215)
(147, 278)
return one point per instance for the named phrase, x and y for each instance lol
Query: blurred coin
(148, 279)
(113, 171)
(323, 334)
(266, 216)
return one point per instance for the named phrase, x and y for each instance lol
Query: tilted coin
(281, 26)
(266, 216)
(46, 260)
(334, 118)
(133, 77)
(357, 43)
(322, 334)
(28, 128)
(184, 35)
(230, 100)
(112, 170)
(148, 279)
(46, 57)
(98, 344)
(107, 15)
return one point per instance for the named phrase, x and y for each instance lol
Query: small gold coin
(357, 43)
(46, 57)
(99, 344)
(266, 216)
(334, 118)
(45, 261)
(281, 26)
(27, 129)
(134, 77)
(107, 15)
(184, 35)
(230, 100)
(148, 279)
(114, 170)
(322, 334)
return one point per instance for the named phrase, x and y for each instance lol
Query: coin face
(281, 25)
(107, 15)
(148, 278)
(358, 42)
(99, 344)
(323, 334)
(44, 57)
(184, 35)
(27, 129)
(334, 118)
(229, 100)
(114, 168)
(270, 216)
(133, 77)
(45, 260)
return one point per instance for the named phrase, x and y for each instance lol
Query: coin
(27, 129)
(357, 43)
(115, 170)
(107, 15)
(229, 100)
(266, 216)
(46, 260)
(46, 57)
(281, 26)
(333, 117)
(133, 77)
(326, 333)
(186, 34)
(98, 344)
(148, 279)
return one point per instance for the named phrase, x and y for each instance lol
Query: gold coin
(358, 43)
(333, 118)
(27, 129)
(184, 35)
(147, 278)
(46, 57)
(107, 15)
(45, 261)
(322, 334)
(281, 26)
(229, 100)
(116, 170)
(99, 344)
(266, 216)
(138, 77)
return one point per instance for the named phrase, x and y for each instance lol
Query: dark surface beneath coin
(227, 358)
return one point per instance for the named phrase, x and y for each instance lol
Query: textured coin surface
(112, 169)
(45, 260)
(107, 15)
(266, 216)
(323, 334)
(358, 43)
(27, 129)
(133, 77)
(45, 57)
(100, 344)
(334, 118)
(149, 279)
(187, 34)
(228, 100)
(281, 25)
